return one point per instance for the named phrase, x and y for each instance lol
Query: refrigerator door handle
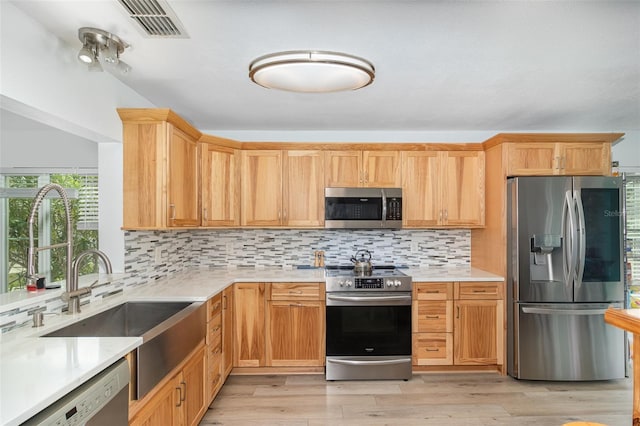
(580, 232)
(553, 311)
(568, 233)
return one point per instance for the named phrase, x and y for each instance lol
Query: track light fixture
(101, 48)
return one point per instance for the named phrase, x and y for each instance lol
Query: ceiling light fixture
(311, 71)
(101, 48)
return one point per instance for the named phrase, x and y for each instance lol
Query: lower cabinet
(213, 349)
(295, 325)
(181, 401)
(458, 323)
(227, 332)
(279, 324)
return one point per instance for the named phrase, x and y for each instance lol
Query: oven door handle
(370, 298)
(379, 362)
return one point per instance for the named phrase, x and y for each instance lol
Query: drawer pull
(432, 291)
(295, 291)
(295, 305)
(216, 306)
(479, 291)
(432, 316)
(215, 329)
(432, 350)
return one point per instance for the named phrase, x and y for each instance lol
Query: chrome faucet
(73, 293)
(32, 277)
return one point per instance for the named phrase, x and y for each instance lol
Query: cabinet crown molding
(501, 138)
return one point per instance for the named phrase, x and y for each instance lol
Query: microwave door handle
(384, 207)
(581, 234)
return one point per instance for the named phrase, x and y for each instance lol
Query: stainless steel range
(368, 316)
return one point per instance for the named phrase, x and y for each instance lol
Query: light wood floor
(460, 399)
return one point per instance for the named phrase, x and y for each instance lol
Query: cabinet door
(478, 332)
(220, 186)
(161, 409)
(261, 188)
(303, 176)
(585, 158)
(463, 188)
(144, 199)
(531, 159)
(227, 331)
(248, 314)
(343, 168)
(421, 189)
(295, 333)
(193, 397)
(183, 181)
(382, 169)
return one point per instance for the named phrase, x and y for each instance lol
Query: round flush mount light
(311, 71)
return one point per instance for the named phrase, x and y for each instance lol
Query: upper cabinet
(161, 170)
(362, 169)
(562, 158)
(282, 188)
(220, 185)
(443, 188)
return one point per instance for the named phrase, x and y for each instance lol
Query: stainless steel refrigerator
(564, 268)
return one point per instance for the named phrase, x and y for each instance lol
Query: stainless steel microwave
(363, 208)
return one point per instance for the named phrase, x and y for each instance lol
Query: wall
(627, 152)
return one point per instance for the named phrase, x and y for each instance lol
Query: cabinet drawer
(433, 291)
(214, 306)
(433, 316)
(296, 291)
(479, 290)
(214, 330)
(214, 372)
(432, 349)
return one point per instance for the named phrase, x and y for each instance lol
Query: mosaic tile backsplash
(154, 254)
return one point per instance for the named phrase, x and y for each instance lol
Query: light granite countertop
(36, 371)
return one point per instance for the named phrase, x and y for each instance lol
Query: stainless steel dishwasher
(102, 400)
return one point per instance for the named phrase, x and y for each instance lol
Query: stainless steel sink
(169, 331)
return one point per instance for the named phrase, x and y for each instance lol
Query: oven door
(368, 336)
(365, 324)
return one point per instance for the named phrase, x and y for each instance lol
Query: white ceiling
(440, 65)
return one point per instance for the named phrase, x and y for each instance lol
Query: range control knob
(341, 283)
(397, 283)
(348, 283)
(389, 283)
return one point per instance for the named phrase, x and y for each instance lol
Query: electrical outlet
(414, 247)
(158, 255)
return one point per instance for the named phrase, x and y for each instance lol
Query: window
(15, 205)
(632, 198)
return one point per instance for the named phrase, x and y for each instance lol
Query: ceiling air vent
(155, 17)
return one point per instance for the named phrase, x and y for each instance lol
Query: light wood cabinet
(220, 185)
(295, 325)
(227, 332)
(443, 188)
(214, 378)
(282, 188)
(161, 173)
(160, 409)
(432, 323)
(562, 158)
(362, 169)
(478, 324)
(181, 400)
(458, 323)
(249, 315)
(279, 324)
